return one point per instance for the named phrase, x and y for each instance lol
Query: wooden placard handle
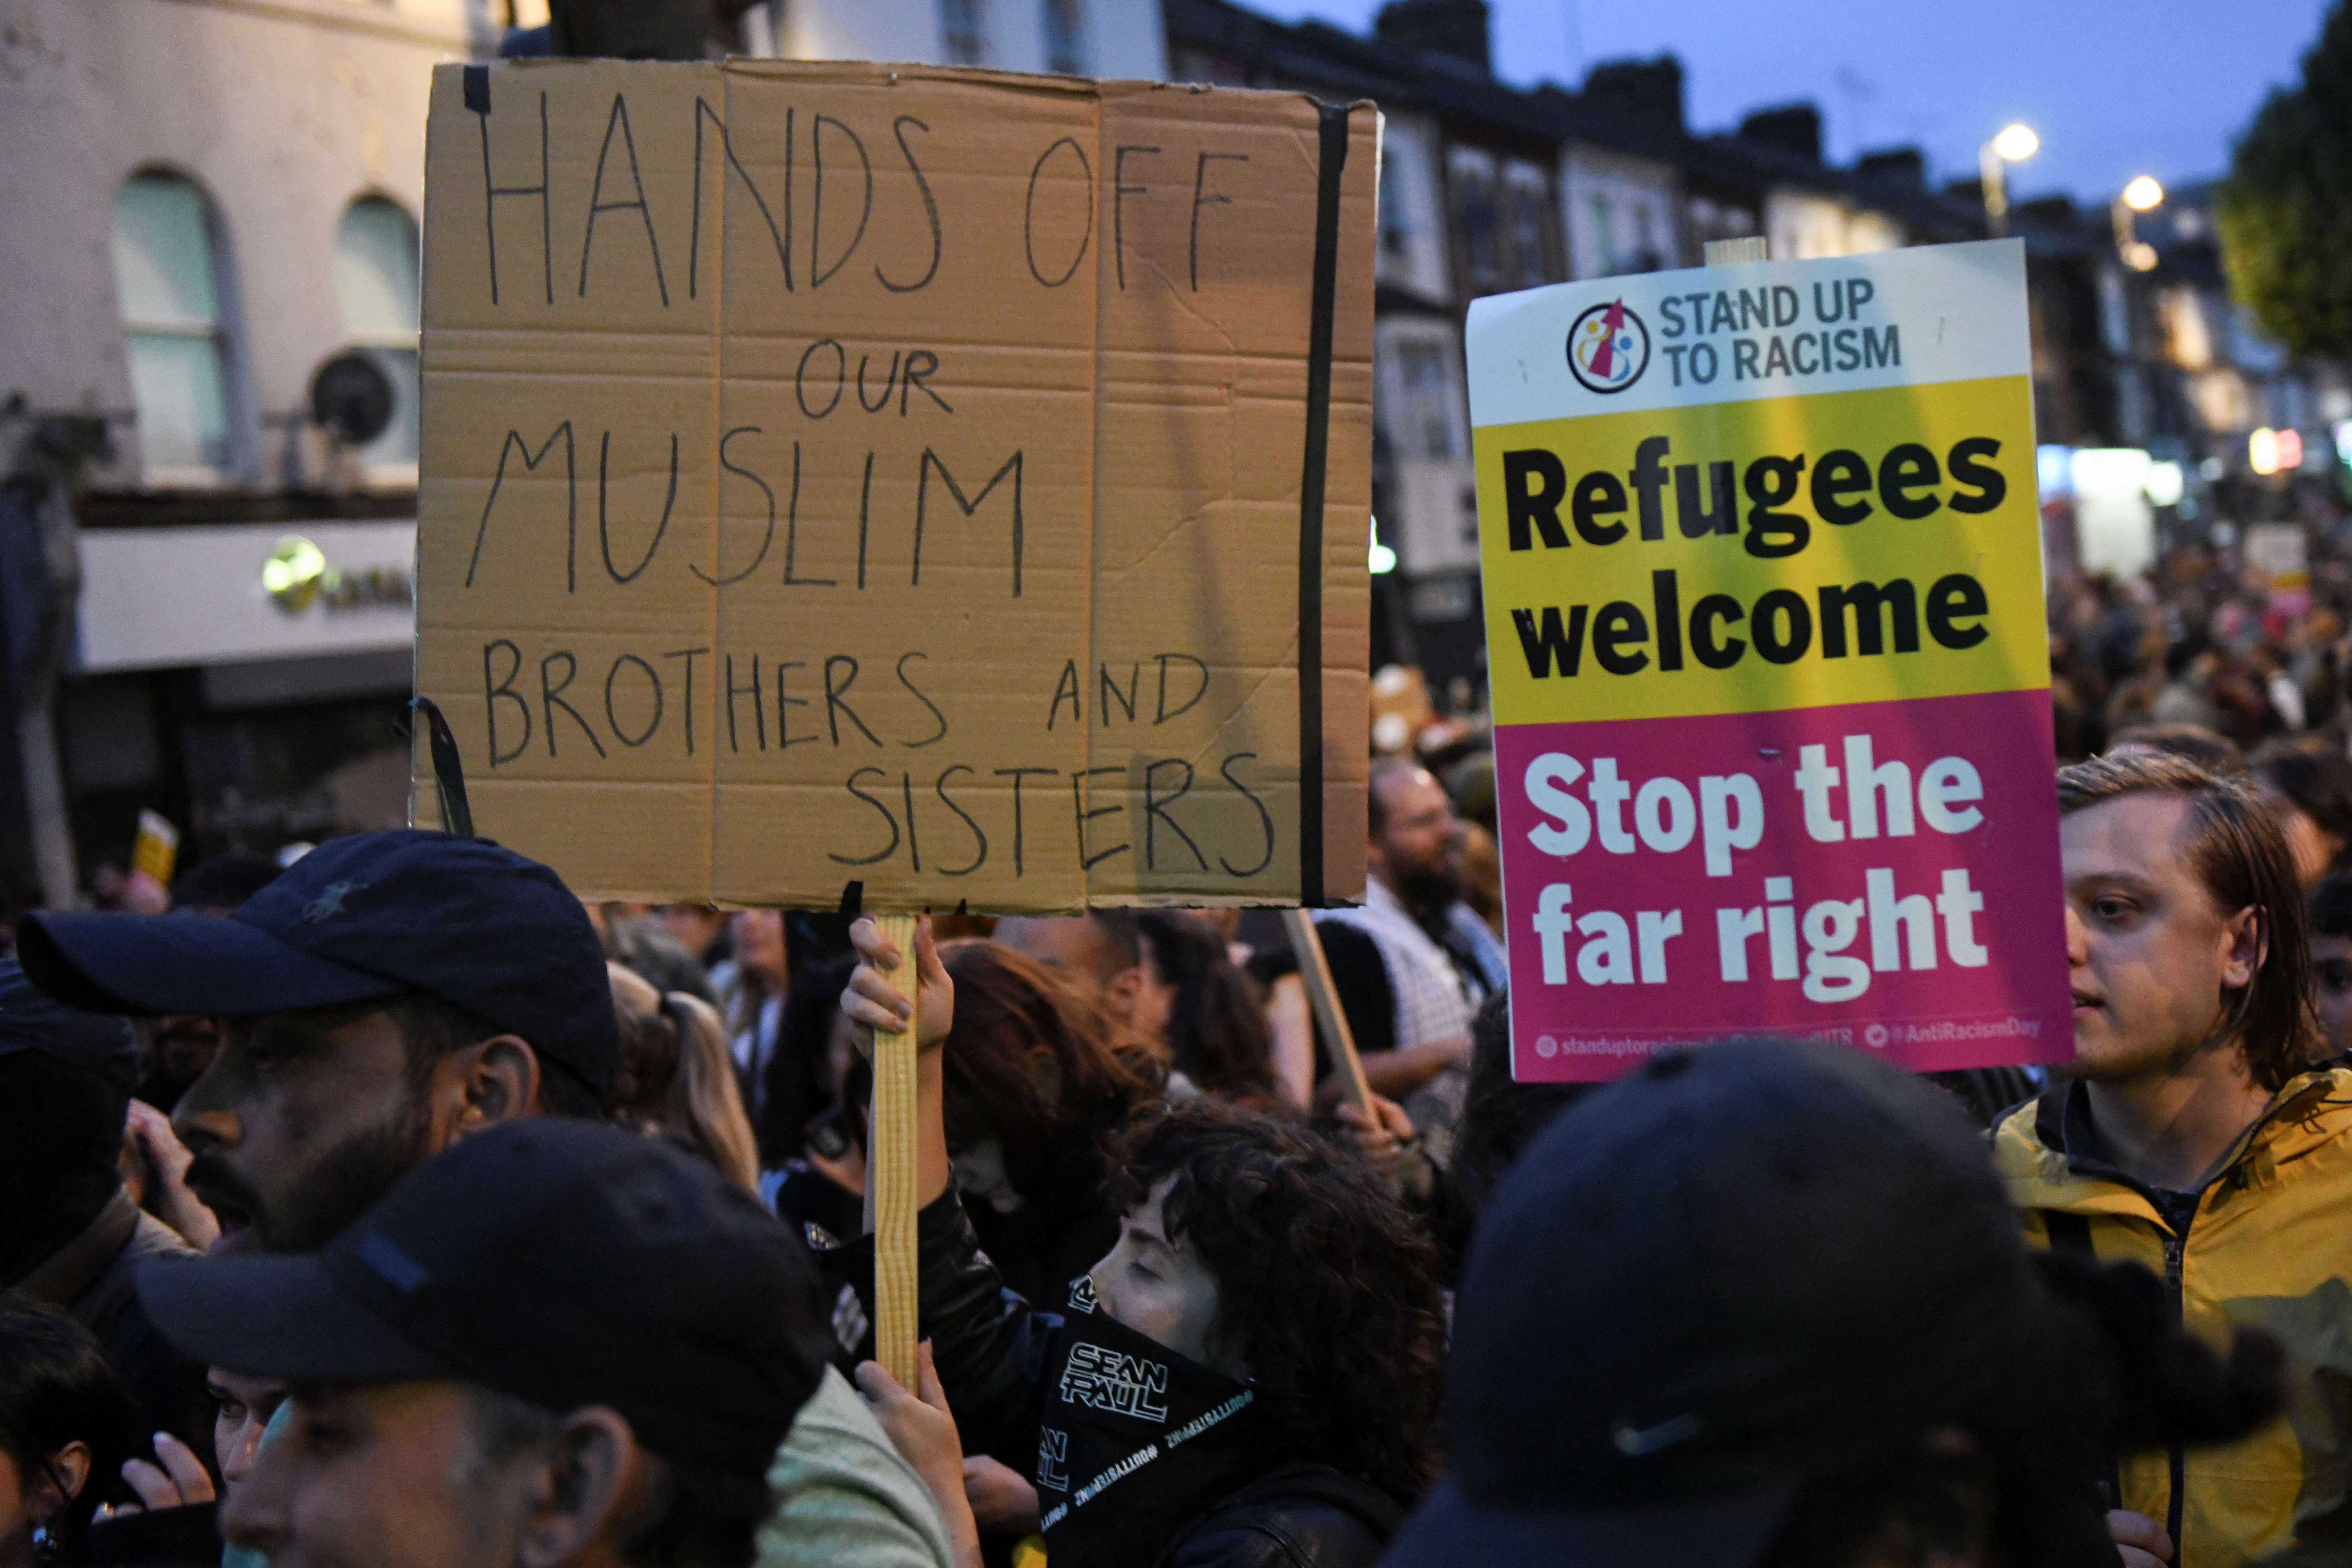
(890, 1167)
(1315, 970)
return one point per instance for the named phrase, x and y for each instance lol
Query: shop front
(247, 681)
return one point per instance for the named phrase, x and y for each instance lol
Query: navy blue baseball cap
(1736, 1268)
(32, 1021)
(567, 1263)
(375, 914)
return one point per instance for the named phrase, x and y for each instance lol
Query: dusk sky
(2116, 88)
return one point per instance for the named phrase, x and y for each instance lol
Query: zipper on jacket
(2175, 1244)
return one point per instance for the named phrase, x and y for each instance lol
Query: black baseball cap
(32, 1021)
(1739, 1267)
(375, 914)
(562, 1261)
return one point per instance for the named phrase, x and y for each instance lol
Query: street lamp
(2014, 144)
(2143, 195)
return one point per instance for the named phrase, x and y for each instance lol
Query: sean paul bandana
(1135, 1441)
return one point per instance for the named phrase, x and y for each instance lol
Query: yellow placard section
(1715, 572)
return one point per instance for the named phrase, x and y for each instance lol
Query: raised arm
(989, 1344)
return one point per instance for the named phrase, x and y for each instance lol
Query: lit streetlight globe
(2143, 194)
(2016, 143)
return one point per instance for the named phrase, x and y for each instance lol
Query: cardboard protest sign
(946, 479)
(1771, 678)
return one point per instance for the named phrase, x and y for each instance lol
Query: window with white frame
(962, 31)
(1425, 424)
(167, 276)
(1531, 218)
(376, 281)
(1479, 216)
(1065, 36)
(1396, 223)
(1648, 254)
(1416, 228)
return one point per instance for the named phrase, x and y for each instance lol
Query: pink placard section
(1883, 875)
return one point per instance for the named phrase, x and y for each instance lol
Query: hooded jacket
(2266, 1245)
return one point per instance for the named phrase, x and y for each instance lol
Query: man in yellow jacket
(2193, 1135)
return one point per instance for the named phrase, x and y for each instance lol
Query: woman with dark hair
(1249, 1377)
(65, 1431)
(1036, 1077)
(1217, 1034)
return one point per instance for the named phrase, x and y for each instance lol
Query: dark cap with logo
(375, 914)
(1741, 1267)
(564, 1262)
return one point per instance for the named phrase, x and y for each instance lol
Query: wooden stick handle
(1315, 970)
(890, 1167)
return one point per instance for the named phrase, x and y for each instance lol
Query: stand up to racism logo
(1608, 347)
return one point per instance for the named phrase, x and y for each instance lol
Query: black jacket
(991, 1347)
(1302, 1516)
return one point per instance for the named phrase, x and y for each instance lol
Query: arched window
(375, 280)
(167, 277)
(1065, 36)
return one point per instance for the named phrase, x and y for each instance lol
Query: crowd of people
(396, 1208)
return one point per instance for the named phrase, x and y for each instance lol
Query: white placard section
(1721, 334)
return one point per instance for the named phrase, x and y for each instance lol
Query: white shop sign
(157, 598)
